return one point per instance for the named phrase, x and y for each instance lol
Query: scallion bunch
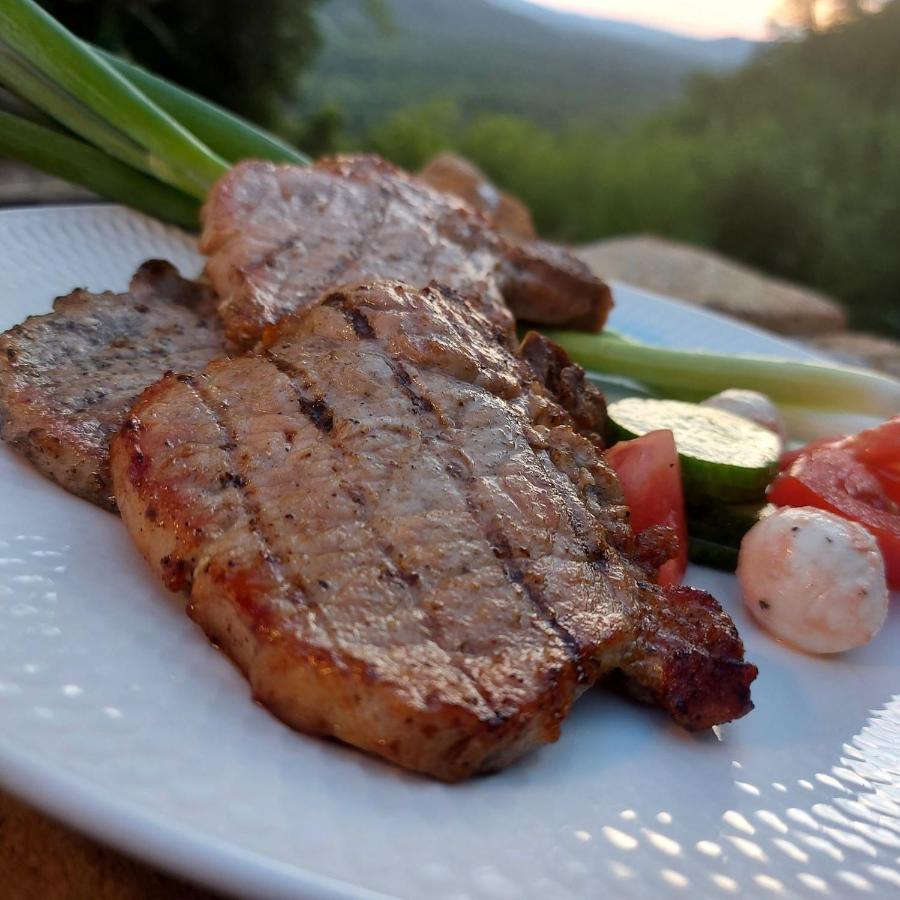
(113, 127)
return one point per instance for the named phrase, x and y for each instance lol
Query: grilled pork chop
(278, 237)
(67, 379)
(403, 542)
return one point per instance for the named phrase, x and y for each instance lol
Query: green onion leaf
(695, 375)
(61, 106)
(230, 136)
(78, 162)
(60, 74)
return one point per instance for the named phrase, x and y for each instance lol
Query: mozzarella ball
(750, 405)
(814, 580)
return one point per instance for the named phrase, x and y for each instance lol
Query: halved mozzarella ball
(813, 579)
(751, 405)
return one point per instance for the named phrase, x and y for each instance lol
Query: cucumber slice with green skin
(723, 456)
(709, 553)
(722, 523)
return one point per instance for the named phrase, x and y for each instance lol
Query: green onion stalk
(233, 137)
(818, 399)
(59, 74)
(92, 118)
(80, 163)
(145, 132)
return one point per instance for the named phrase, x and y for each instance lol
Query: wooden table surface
(43, 860)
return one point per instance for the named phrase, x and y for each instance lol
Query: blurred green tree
(805, 17)
(247, 55)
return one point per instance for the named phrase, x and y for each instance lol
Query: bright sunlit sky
(706, 18)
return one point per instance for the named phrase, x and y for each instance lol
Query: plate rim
(812, 354)
(197, 858)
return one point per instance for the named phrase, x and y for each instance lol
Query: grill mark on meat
(317, 411)
(389, 194)
(577, 517)
(499, 542)
(349, 257)
(353, 254)
(492, 530)
(363, 329)
(268, 259)
(68, 378)
(517, 575)
(356, 317)
(293, 590)
(419, 403)
(394, 568)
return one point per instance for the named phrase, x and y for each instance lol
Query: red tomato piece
(789, 457)
(835, 479)
(650, 475)
(879, 450)
(878, 446)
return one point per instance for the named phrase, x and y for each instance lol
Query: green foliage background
(791, 164)
(491, 60)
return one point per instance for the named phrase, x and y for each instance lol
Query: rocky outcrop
(704, 278)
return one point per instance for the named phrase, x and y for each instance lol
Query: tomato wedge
(789, 457)
(650, 476)
(834, 478)
(879, 450)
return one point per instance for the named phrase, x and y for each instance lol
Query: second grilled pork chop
(278, 237)
(68, 378)
(402, 540)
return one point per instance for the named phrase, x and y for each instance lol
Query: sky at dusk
(707, 18)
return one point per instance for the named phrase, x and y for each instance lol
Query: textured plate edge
(39, 209)
(793, 346)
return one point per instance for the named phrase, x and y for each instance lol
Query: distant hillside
(719, 54)
(491, 57)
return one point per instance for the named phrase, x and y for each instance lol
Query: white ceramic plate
(118, 717)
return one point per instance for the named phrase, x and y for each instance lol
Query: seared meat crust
(567, 384)
(398, 535)
(68, 378)
(278, 237)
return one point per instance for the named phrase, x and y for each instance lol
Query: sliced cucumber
(709, 553)
(723, 523)
(723, 456)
